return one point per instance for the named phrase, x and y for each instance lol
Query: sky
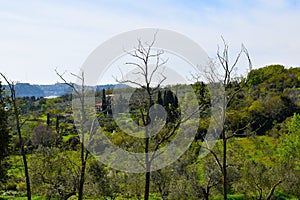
(37, 37)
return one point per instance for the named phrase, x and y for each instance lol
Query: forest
(228, 137)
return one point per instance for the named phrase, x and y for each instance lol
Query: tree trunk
(23, 153)
(206, 196)
(28, 189)
(273, 189)
(147, 186)
(224, 165)
(205, 193)
(81, 181)
(148, 165)
(66, 197)
(84, 156)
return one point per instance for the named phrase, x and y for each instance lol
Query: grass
(67, 137)
(233, 197)
(258, 148)
(20, 198)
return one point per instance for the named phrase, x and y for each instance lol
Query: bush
(11, 186)
(21, 186)
(282, 196)
(233, 197)
(236, 197)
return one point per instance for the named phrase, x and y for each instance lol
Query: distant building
(98, 107)
(109, 99)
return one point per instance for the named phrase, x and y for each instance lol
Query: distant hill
(58, 89)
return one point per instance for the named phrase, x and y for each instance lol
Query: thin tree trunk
(81, 181)
(144, 54)
(147, 186)
(83, 156)
(23, 153)
(82, 174)
(273, 189)
(66, 197)
(148, 165)
(83, 153)
(260, 193)
(224, 165)
(147, 141)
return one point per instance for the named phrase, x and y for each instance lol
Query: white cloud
(37, 36)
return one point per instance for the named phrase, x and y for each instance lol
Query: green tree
(258, 76)
(53, 173)
(104, 102)
(4, 136)
(42, 135)
(171, 106)
(103, 180)
(18, 124)
(159, 98)
(289, 147)
(262, 173)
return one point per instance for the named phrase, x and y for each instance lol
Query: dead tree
(149, 64)
(226, 78)
(143, 53)
(18, 123)
(79, 93)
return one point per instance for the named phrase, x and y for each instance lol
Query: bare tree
(226, 77)
(228, 72)
(143, 53)
(149, 64)
(18, 122)
(79, 93)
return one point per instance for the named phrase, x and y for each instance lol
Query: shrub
(21, 186)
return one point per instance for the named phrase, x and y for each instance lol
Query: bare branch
(71, 85)
(273, 189)
(215, 157)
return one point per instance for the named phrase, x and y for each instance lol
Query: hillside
(54, 90)
(262, 120)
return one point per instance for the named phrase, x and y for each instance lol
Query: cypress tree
(159, 98)
(48, 119)
(104, 102)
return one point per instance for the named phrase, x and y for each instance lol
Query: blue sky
(38, 36)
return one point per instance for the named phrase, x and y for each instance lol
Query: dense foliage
(4, 136)
(263, 156)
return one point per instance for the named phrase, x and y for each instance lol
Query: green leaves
(4, 136)
(258, 76)
(290, 144)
